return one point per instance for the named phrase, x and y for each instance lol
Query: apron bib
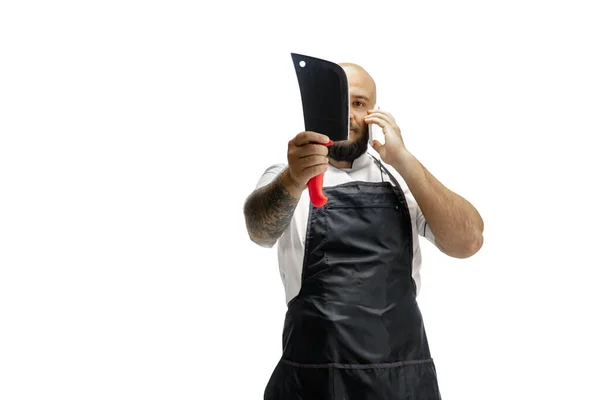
(355, 331)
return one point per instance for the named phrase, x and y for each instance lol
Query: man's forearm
(455, 223)
(269, 210)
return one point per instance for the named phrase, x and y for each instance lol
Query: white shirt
(290, 246)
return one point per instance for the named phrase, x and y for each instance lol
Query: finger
(385, 116)
(312, 149)
(307, 150)
(311, 161)
(377, 120)
(389, 114)
(376, 145)
(314, 171)
(309, 137)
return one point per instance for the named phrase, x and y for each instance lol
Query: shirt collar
(361, 162)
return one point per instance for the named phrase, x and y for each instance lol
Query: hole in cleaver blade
(324, 92)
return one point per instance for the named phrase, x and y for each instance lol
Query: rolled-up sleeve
(270, 174)
(423, 227)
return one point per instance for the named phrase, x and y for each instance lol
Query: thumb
(376, 145)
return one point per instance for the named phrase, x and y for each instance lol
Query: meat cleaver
(326, 107)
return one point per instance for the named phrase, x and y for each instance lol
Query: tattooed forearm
(269, 210)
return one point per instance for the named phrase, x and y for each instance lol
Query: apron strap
(384, 169)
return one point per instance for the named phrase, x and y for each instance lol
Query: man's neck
(340, 164)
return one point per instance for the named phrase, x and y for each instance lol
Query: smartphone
(375, 131)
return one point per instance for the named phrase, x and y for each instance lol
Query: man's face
(362, 98)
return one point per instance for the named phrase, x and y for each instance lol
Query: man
(353, 329)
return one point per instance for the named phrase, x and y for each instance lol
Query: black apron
(355, 331)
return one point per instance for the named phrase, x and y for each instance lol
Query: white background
(131, 133)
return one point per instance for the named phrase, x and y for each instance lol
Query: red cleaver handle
(315, 187)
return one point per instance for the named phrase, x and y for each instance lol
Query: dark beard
(350, 150)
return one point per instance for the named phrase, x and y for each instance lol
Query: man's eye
(358, 104)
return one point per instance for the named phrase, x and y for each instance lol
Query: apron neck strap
(384, 169)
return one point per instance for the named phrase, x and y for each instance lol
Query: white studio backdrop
(131, 133)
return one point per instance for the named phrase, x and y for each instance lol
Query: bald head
(360, 82)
